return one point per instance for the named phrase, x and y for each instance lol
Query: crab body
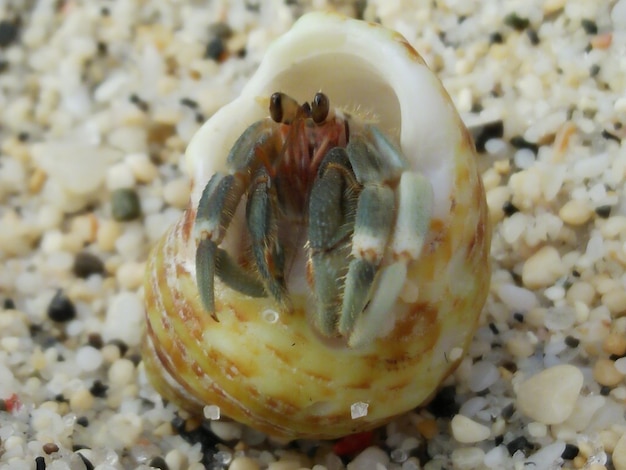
(334, 175)
(345, 257)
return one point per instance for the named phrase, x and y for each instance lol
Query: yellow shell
(270, 369)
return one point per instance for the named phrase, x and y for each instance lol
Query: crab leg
(374, 219)
(217, 205)
(415, 195)
(331, 220)
(261, 214)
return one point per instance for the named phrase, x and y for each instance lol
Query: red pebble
(353, 444)
(12, 403)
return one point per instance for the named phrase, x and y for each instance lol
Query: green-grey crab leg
(261, 215)
(216, 208)
(374, 220)
(217, 205)
(332, 203)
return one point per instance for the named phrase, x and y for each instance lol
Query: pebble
(619, 452)
(176, 192)
(615, 301)
(484, 375)
(88, 358)
(580, 291)
(61, 309)
(605, 373)
(81, 400)
(543, 268)
(244, 463)
(467, 458)
(124, 318)
(576, 212)
(125, 205)
(369, 459)
(549, 397)
(467, 431)
(142, 168)
(584, 411)
(86, 264)
(121, 372)
(226, 430)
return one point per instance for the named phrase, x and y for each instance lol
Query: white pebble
(211, 412)
(484, 374)
(618, 18)
(176, 192)
(88, 358)
(369, 459)
(358, 410)
(143, 169)
(119, 176)
(226, 430)
(121, 372)
(619, 452)
(468, 458)
(547, 458)
(467, 431)
(517, 298)
(543, 268)
(497, 458)
(124, 318)
(550, 396)
(244, 463)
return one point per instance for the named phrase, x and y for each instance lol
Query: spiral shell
(271, 369)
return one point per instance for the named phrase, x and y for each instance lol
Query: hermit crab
(332, 264)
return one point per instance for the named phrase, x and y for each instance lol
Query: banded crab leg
(261, 214)
(332, 205)
(217, 205)
(370, 291)
(415, 200)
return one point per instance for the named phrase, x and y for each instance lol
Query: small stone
(467, 431)
(549, 397)
(50, 448)
(86, 264)
(8, 32)
(615, 301)
(605, 373)
(543, 268)
(81, 400)
(427, 428)
(226, 430)
(143, 169)
(158, 462)
(121, 372)
(468, 458)
(619, 453)
(358, 410)
(519, 444)
(88, 358)
(61, 309)
(615, 343)
(580, 291)
(211, 412)
(244, 463)
(575, 212)
(176, 192)
(370, 459)
(215, 48)
(125, 205)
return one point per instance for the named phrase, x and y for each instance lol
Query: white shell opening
(361, 67)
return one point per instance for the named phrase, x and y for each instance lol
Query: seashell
(274, 367)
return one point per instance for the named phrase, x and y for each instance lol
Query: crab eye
(276, 106)
(320, 107)
(283, 108)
